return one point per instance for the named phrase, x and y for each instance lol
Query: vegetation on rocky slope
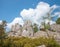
(28, 42)
(58, 21)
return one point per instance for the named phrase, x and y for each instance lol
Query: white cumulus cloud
(16, 20)
(35, 15)
(27, 14)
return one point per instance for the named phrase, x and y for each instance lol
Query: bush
(35, 28)
(29, 42)
(58, 21)
(47, 26)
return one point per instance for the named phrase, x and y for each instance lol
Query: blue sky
(9, 9)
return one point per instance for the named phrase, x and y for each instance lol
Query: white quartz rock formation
(28, 27)
(42, 46)
(25, 33)
(40, 34)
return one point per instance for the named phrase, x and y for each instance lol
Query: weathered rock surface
(56, 27)
(28, 28)
(47, 34)
(42, 46)
(40, 34)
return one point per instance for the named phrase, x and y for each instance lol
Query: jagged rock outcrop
(27, 31)
(16, 30)
(48, 34)
(27, 27)
(55, 27)
(40, 34)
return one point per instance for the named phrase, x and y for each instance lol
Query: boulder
(40, 34)
(42, 46)
(55, 27)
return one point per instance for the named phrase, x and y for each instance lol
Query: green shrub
(58, 21)
(29, 45)
(35, 28)
(47, 26)
(29, 42)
